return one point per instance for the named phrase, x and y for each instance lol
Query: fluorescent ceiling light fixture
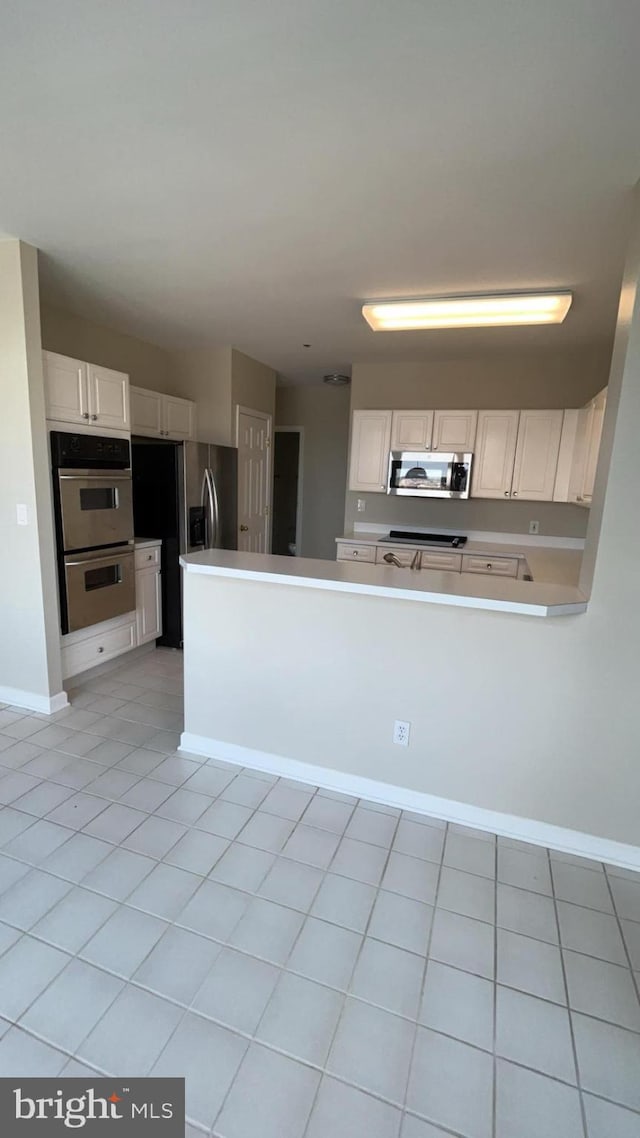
(487, 311)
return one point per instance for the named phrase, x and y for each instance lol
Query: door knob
(243, 529)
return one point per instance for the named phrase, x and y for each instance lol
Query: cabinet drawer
(147, 558)
(97, 649)
(451, 562)
(356, 552)
(495, 566)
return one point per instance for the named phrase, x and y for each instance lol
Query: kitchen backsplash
(557, 519)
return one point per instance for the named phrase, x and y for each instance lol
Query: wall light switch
(361, 505)
(22, 515)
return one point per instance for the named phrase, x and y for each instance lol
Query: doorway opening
(287, 491)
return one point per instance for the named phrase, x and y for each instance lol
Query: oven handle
(97, 560)
(84, 476)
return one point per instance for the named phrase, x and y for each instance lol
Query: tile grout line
(618, 919)
(574, 1049)
(424, 973)
(363, 935)
(494, 1098)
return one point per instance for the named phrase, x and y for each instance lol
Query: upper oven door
(95, 508)
(429, 474)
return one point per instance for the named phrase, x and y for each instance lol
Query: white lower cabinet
(355, 552)
(493, 566)
(91, 646)
(148, 605)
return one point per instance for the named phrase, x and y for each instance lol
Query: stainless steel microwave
(428, 474)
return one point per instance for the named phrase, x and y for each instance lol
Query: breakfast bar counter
(529, 598)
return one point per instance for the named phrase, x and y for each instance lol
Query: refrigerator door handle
(215, 509)
(205, 504)
(211, 528)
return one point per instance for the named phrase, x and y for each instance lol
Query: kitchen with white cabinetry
(538, 460)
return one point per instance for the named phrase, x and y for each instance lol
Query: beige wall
(531, 717)
(146, 364)
(522, 380)
(253, 385)
(323, 413)
(204, 375)
(29, 636)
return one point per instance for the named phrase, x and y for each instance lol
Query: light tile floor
(316, 966)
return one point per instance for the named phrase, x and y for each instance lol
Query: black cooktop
(409, 537)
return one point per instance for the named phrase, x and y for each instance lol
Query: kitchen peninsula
(300, 667)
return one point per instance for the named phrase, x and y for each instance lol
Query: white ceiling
(247, 172)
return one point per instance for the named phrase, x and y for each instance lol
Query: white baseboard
(507, 825)
(46, 705)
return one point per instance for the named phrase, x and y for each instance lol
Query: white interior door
(254, 481)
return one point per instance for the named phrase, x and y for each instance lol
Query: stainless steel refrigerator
(185, 494)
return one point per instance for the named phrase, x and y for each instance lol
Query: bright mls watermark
(138, 1108)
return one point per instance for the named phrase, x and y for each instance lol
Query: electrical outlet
(534, 527)
(361, 505)
(401, 731)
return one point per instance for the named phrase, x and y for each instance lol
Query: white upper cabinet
(579, 450)
(370, 446)
(65, 386)
(161, 416)
(536, 460)
(595, 419)
(146, 412)
(178, 417)
(108, 398)
(77, 392)
(411, 430)
(454, 430)
(495, 452)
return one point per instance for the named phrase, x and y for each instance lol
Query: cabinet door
(454, 430)
(178, 417)
(494, 454)
(537, 450)
(594, 435)
(370, 444)
(109, 398)
(146, 412)
(65, 387)
(411, 430)
(148, 605)
(568, 439)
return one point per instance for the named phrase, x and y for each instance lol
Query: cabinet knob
(489, 565)
(94, 417)
(506, 493)
(515, 493)
(150, 557)
(355, 553)
(243, 529)
(100, 649)
(85, 414)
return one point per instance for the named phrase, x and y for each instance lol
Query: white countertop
(551, 565)
(428, 586)
(146, 542)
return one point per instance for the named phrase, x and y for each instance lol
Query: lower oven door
(95, 507)
(100, 584)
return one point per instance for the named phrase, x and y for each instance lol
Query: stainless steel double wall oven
(94, 528)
